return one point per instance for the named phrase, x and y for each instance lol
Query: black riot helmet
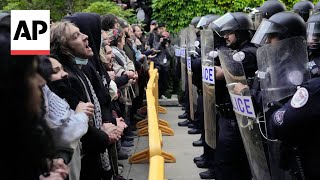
(237, 23)
(303, 8)
(203, 21)
(230, 22)
(206, 20)
(313, 32)
(195, 21)
(212, 18)
(271, 7)
(282, 25)
(266, 10)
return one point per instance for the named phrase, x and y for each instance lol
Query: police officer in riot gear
(313, 42)
(206, 99)
(195, 55)
(230, 158)
(295, 123)
(282, 65)
(186, 115)
(303, 8)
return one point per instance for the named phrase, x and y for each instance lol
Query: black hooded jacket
(90, 24)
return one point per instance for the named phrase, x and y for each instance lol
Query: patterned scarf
(97, 118)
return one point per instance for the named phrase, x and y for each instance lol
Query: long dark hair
(29, 151)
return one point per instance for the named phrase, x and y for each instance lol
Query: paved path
(180, 145)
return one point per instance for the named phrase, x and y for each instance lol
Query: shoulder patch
(213, 54)
(278, 117)
(197, 43)
(300, 98)
(239, 56)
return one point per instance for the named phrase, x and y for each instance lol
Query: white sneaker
(163, 97)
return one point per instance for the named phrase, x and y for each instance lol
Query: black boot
(184, 116)
(210, 174)
(199, 158)
(183, 123)
(198, 143)
(194, 131)
(203, 164)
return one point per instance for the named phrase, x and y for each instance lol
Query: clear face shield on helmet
(225, 25)
(267, 30)
(202, 22)
(258, 17)
(313, 35)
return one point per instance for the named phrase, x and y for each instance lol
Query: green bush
(104, 7)
(59, 8)
(178, 13)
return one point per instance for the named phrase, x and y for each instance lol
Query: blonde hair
(58, 36)
(103, 55)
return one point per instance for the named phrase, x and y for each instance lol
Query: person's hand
(87, 108)
(132, 81)
(112, 131)
(239, 88)
(59, 164)
(130, 74)
(135, 76)
(52, 176)
(64, 173)
(121, 123)
(161, 40)
(112, 75)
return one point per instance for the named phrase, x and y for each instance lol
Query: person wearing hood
(90, 24)
(72, 49)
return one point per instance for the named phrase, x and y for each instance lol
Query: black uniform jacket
(300, 127)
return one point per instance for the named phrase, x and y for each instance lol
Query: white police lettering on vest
(243, 105)
(177, 52)
(208, 74)
(183, 52)
(189, 63)
(30, 32)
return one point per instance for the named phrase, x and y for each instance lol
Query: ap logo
(30, 32)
